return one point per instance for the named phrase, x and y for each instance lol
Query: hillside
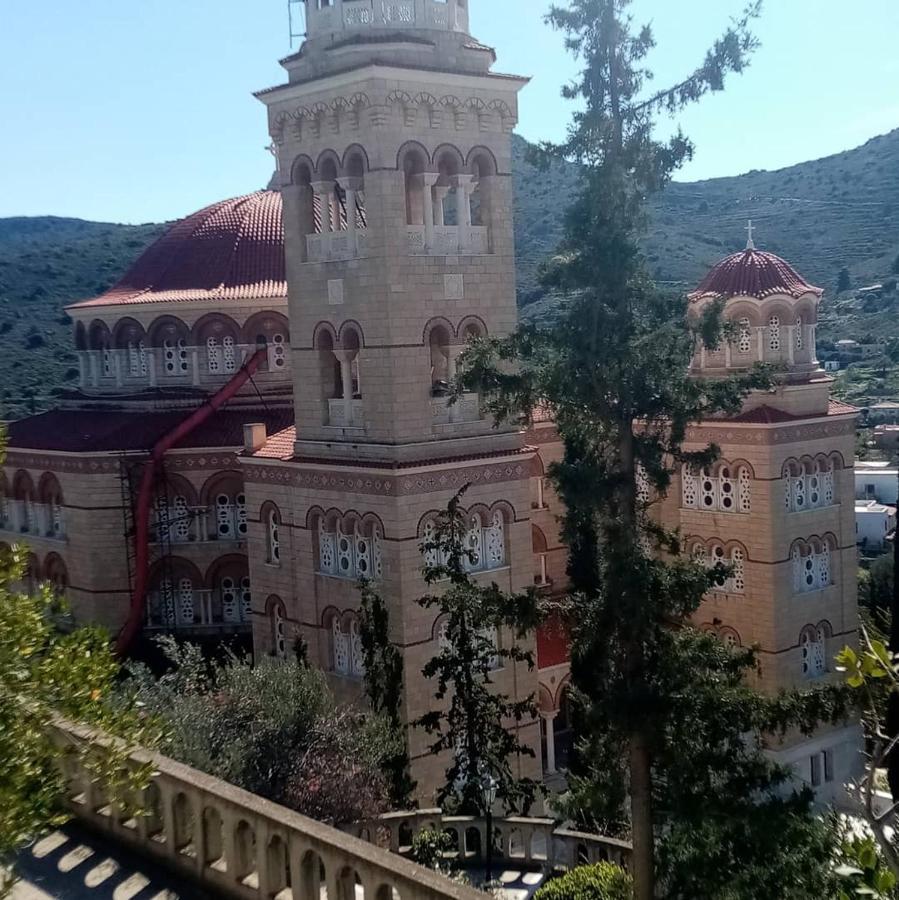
(822, 215)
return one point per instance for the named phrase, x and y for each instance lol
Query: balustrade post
(791, 342)
(428, 180)
(464, 185)
(166, 798)
(229, 843)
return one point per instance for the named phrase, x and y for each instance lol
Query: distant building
(873, 523)
(832, 365)
(886, 413)
(876, 481)
(847, 346)
(886, 437)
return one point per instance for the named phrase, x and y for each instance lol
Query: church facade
(385, 245)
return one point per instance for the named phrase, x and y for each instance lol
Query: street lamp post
(488, 793)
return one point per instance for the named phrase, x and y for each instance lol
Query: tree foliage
(45, 674)
(273, 729)
(472, 720)
(655, 756)
(602, 881)
(384, 687)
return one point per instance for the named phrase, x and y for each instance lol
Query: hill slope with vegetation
(824, 216)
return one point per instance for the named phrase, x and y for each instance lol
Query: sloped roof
(232, 250)
(753, 273)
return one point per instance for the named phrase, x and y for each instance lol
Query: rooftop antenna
(296, 15)
(750, 244)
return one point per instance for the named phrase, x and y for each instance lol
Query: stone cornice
(723, 433)
(93, 464)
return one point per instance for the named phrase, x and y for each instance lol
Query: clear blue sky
(141, 110)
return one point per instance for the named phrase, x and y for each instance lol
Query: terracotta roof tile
(753, 273)
(96, 431)
(769, 415)
(232, 250)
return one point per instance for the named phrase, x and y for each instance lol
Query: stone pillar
(428, 180)
(791, 342)
(151, 365)
(117, 367)
(728, 354)
(94, 356)
(324, 190)
(549, 720)
(351, 186)
(811, 337)
(440, 194)
(82, 368)
(761, 343)
(195, 365)
(346, 377)
(464, 185)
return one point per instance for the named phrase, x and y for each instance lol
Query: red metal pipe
(135, 620)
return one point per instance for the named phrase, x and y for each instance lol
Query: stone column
(351, 186)
(791, 342)
(728, 353)
(549, 720)
(117, 367)
(346, 376)
(324, 190)
(82, 368)
(195, 365)
(428, 180)
(464, 185)
(151, 365)
(440, 194)
(94, 356)
(761, 344)
(811, 337)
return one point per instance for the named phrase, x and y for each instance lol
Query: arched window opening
(800, 337)
(327, 204)
(353, 184)
(539, 548)
(448, 191)
(49, 510)
(774, 334)
(351, 550)
(278, 618)
(347, 657)
(717, 488)
(273, 538)
(811, 564)
(813, 650)
(484, 543)
(25, 517)
(731, 579)
(345, 409)
(228, 510)
(442, 361)
(744, 336)
(809, 484)
(234, 599)
(414, 164)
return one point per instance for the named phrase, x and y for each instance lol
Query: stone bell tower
(393, 139)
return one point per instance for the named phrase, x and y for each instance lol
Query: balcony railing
(466, 409)
(198, 525)
(447, 240)
(337, 414)
(197, 610)
(330, 246)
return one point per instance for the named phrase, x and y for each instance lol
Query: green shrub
(429, 849)
(602, 881)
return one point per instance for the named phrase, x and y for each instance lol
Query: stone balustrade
(467, 408)
(34, 520)
(238, 845)
(523, 841)
(447, 240)
(345, 415)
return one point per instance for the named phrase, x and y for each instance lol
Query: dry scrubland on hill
(822, 215)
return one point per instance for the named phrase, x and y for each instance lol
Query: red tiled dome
(753, 273)
(230, 250)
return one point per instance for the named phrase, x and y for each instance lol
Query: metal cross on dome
(750, 244)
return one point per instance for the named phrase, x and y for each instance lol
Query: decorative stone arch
(481, 162)
(413, 158)
(176, 485)
(276, 613)
(437, 322)
(277, 863)
(168, 328)
(128, 332)
(355, 163)
(49, 490)
(99, 336)
(312, 875)
(56, 573)
(546, 703)
(230, 481)
(218, 337)
(448, 161)
(439, 338)
(176, 567)
(327, 166)
(324, 336)
(778, 305)
(741, 309)
(506, 508)
(260, 330)
(216, 325)
(271, 521)
(80, 336)
(23, 486)
(730, 637)
(302, 171)
(213, 835)
(345, 338)
(472, 327)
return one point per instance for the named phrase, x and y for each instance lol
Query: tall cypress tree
(614, 374)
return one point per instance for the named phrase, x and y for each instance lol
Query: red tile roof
(769, 415)
(230, 250)
(753, 273)
(96, 431)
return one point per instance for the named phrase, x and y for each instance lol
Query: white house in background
(886, 413)
(876, 481)
(873, 522)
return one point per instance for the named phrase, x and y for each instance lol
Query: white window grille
(357, 657)
(642, 485)
(229, 357)
(495, 541)
(279, 639)
(491, 635)
(813, 652)
(277, 353)
(363, 553)
(274, 538)
(809, 485)
(133, 360)
(224, 517)
(443, 641)
(240, 512)
(377, 553)
(246, 599)
(180, 525)
(230, 600)
(429, 536)
(142, 353)
(774, 334)
(354, 556)
(213, 356)
(340, 648)
(327, 549)
(473, 560)
(167, 602)
(735, 582)
(107, 362)
(344, 554)
(186, 611)
(717, 488)
(800, 338)
(175, 356)
(730, 639)
(744, 339)
(737, 579)
(811, 568)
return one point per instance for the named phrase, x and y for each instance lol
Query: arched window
(717, 488)
(278, 617)
(50, 507)
(813, 650)
(732, 578)
(174, 601)
(24, 512)
(730, 638)
(643, 487)
(744, 336)
(800, 337)
(230, 513)
(811, 563)
(347, 657)
(273, 537)
(774, 334)
(340, 647)
(351, 550)
(484, 542)
(809, 484)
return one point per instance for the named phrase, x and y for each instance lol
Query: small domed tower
(778, 505)
(393, 140)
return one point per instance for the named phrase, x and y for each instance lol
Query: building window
(744, 338)
(813, 648)
(231, 517)
(174, 354)
(774, 334)
(347, 657)
(279, 631)
(277, 352)
(812, 565)
(800, 337)
(717, 488)
(350, 551)
(734, 561)
(484, 543)
(809, 485)
(643, 488)
(273, 548)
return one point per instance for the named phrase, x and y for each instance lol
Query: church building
(283, 360)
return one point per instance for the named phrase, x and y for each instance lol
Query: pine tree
(614, 375)
(384, 687)
(472, 720)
